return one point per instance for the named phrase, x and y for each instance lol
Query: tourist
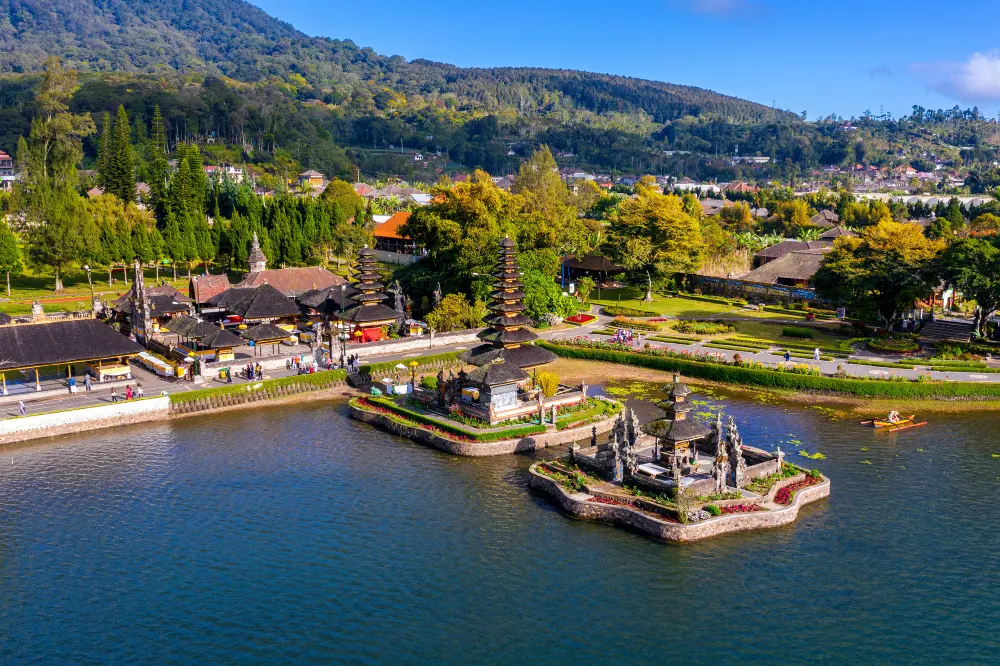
(816, 355)
(20, 408)
(86, 382)
(894, 417)
(260, 372)
(114, 395)
(71, 384)
(138, 390)
(128, 393)
(788, 357)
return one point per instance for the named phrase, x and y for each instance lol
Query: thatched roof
(684, 430)
(594, 262)
(220, 338)
(525, 356)
(801, 265)
(265, 333)
(264, 302)
(61, 342)
(497, 372)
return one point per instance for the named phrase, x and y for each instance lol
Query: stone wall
(85, 419)
(415, 343)
(479, 449)
(576, 504)
(248, 395)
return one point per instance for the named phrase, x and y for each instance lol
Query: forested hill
(240, 41)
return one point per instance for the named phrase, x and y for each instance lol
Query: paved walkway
(153, 384)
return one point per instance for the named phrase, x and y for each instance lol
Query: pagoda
(367, 319)
(507, 339)
(676, 433)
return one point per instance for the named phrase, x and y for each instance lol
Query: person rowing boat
(894, 417)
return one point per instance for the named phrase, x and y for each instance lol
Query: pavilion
(265, 334)
(676, 434)
(64, 347)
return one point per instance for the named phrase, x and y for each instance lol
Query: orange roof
(390, 228)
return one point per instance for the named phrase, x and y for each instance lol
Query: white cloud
(975, 80)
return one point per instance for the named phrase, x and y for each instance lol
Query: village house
(7, 175)
(311, 179)
(228, 172)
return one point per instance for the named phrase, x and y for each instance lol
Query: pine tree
(10, 255)
(104, 152)
(122, 167)
(158, 164)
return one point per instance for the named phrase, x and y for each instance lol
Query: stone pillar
(553, 414)
(573, 448)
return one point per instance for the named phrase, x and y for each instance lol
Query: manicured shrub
(713, 510)
(622, 311)
(638, 324)
(893, 345)
(548, 382)
(430, 383)
(702, 327)
(797, 332)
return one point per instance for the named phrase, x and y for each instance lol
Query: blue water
(295, 535)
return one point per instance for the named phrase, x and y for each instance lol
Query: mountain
(239, 41)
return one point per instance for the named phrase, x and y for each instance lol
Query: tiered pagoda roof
(370, 309)
(507, 338)
(675, 426)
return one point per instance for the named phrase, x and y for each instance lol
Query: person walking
(788, 357)
(20, 408)
(86, 382)
(816, 355)
(128, 393)
(138, 390)
(71, 384)
(114, 395)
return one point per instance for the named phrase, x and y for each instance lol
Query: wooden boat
(902, 424)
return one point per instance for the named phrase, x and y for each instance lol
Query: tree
(972, 265)
(56, 134)
(60, 231)
(10, 255)
(104, 153)
(158, 165)
(585, 287)
(120, 179)
(543, 296)
(737, 217)
(882, 271)
(653, 237)
(455, 313)
(986, 222)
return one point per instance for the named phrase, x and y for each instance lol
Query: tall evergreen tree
(10, 255)
(157, 164)
(122, 164)
(104, 153)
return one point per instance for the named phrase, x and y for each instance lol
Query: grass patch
(413, 418)
(322, 379)
(675, 338)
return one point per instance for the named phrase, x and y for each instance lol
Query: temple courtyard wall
(577, 505)
(481, 449)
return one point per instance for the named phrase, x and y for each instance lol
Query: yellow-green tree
(882, 271)
(653, 237)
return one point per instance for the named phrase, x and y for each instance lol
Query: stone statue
(720, 469)
(736, 462)
(633, 428)
(442, 389)
(437, 295)
(630, 459)
(781, 458)
(593, 436)
(583, 391)
(614, 459)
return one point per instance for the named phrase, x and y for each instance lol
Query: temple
(370, 319)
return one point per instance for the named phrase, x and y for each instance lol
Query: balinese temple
(676, 433)
(370, 318)
(508, 338)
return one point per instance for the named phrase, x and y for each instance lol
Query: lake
(295, 535)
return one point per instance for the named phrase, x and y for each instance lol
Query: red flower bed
(608, 500)
(784, 495)
(581, 318)
(741, 508)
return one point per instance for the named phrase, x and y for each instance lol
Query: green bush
(388, 367)
(774, 379)
(893, 345)
(713, 510)
(622, 311)
(703, 327)
(638, 324)
(430, 383)
(320, 379)
(797, 332)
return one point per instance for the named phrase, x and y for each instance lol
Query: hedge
(496, 436)
(797, 332)
(320, 379)
(622, 311)
(374, 369)
(782, 380)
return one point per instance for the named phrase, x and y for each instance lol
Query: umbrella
(400, 366)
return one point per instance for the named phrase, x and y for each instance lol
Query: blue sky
(821, 57)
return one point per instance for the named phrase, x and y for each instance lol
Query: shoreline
(595, 372)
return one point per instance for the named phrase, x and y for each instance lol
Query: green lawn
(676, 306)
(824, 336)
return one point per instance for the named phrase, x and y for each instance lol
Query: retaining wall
(479, 449)
(84, 419)
(247, 395)
(576, 504)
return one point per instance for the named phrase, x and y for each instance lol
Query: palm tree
(810, 233)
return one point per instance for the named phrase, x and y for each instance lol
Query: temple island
(677, 479)
(504, 402)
